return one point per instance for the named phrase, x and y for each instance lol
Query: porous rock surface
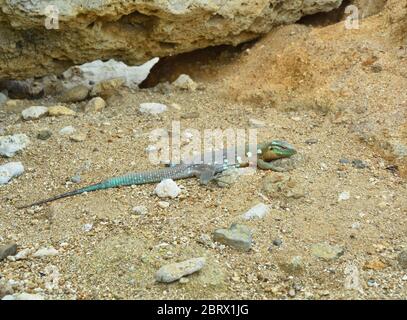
(33, 44)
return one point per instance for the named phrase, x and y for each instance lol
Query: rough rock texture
(131, 31)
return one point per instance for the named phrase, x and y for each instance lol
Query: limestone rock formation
(37, 38)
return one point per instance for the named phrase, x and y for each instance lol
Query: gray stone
(175, 271)
(402, 259)
(75, 94)
(228, 178)
(293, 266)
(288, 164)
(76, 178)
(44, 134)
(237, 236)
(311, 141)
(359, 164)
(3, 98)
(326, 252)
(277, 242)
(6, 250)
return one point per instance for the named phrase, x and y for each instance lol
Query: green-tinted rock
(326, 252)
(237, 236)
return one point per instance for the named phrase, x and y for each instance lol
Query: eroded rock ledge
(132, 31)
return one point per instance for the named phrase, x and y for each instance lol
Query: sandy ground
(118, 257)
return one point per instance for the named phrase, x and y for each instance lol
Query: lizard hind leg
(205, 173)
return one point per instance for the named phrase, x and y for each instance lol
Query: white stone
(9, 171)
(259, 211)
(175, 271)
(52, 277)
(98, 71)
(167, 189)
(9, 145)
(254, 123)
(23, 254)
(163, 204)
(67, 130)
(45, 252)
(23, 296)
(185, 82)
(152, 108)
(140, 210)
(344, 196)
(34, 112)
(87, 227)
(151, 148)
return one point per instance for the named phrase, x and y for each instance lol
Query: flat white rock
(67, 130)
(344, 196)
(23, 296)
(9, 145)
(175, 271)
(98, 70)
(10, 170)
(153, 108)
(259, 211)
(34, 112)
(45, 252)
(167, 189)
(140, 210)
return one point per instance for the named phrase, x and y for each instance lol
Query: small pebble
(44, 134)
(311, 141)
(344, 196)
(95, 105)
(23, 296)
(140, 210)
(254, 123)
(79, 137)
(175, 271)
(75, 94)
(9, 171)
(402, 259)
(6, 250)
(57, 111)
(359, 164)
(167, 189)
(45, 252)
(34, 112)
(326, 251)
(277, 242)
(76, 178)
(259, 211)
(237, 236)
(344, 161)
(163, 204)
(152, 108)
(185, 82)
(87, 227)
(67, 130)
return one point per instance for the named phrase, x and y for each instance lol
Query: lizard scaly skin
(267, 152)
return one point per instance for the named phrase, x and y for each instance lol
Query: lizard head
(276, 149)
